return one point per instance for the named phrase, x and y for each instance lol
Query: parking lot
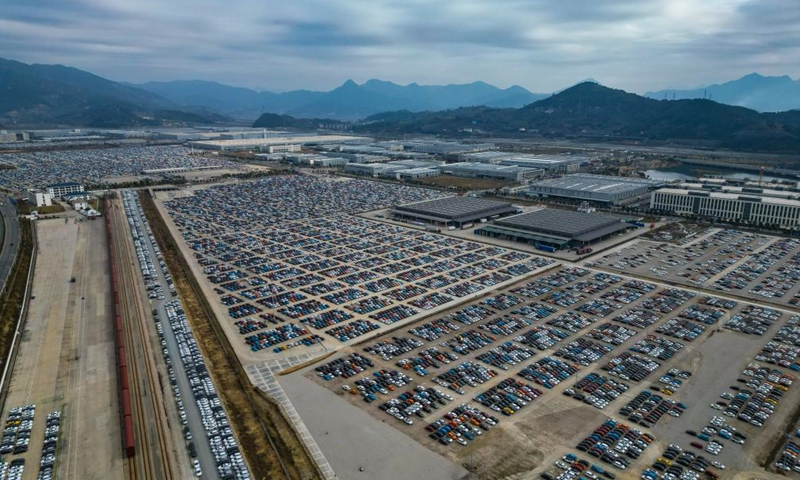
(296, 282)
(210, 448)
(37, 169)
(653, 358)
(751, 265)
(502, 361)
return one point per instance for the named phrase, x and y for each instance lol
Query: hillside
(55, 95)
(758, 92)
(589, 110)
(349, 101)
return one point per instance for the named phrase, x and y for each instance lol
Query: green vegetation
(591, 111)
(57, 95)
(12, 299)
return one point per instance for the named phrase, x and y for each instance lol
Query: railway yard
(650, 359)
(65, 365)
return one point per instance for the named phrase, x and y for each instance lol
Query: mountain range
(764, 94)
(592, 111)
(54, 95)
(349, 101)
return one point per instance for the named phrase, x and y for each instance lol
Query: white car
(718, 465)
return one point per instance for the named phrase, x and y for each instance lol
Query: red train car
(129, 442)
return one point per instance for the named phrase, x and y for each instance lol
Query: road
(193, 416)
(9, 230)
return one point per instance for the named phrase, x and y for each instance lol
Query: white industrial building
(549, 163)
(751, 208)
(285, 148)
(594, 188)
(415, 173)
(447, 148)
(399, 169)
(60, 189)
(510, 173)
(493, 157)
(265, 143)
(39, 198)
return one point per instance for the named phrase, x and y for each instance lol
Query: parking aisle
(194, 419)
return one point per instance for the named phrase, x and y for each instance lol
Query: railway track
(152, 459)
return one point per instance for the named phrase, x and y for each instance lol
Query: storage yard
(292, 282)
(501, 361)
(64, 380)
(37, 169)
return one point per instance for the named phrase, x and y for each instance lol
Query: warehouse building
(265, 143)
(400, 169)
(39, 198)
(453, 211)
(549, 163)
(60, 189)
(416, 173)
(751, 208)
(447, 148)
(494, 172)
(556, 229)
(485, 157)
(594, 188)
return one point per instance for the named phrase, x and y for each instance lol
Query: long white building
(755, 209)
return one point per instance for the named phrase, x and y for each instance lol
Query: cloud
(543, 45)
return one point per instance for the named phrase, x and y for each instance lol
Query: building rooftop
(595, 183)
(566, 223)
(484, 167)
(457, 207)
(546, 159)
(751, 197)
(64, 184)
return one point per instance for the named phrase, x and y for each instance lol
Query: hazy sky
(543, 45)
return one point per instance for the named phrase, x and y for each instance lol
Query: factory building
(39, 198)
(415, 173)
(548, 163)
(751, 208)
(400, 169)
(60, 189)
(447, 148)
(316, 160)
(555, 229)
(594, 188)
(265, 143)
(495, 172)
(357, 157)
(492, 157)
(285, 148)
(453, 211)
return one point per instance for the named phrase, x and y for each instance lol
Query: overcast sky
(543, 45)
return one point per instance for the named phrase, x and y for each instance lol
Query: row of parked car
(49, 446)
(616, 443)
(679, 463)
(230, 463)
(17, 430)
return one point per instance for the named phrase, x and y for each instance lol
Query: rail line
(150, 458)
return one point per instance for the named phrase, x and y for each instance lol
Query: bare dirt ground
(464, 183)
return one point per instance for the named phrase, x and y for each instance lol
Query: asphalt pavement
(193, 416)
(9, 229)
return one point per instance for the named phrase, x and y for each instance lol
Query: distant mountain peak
(754, 90)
